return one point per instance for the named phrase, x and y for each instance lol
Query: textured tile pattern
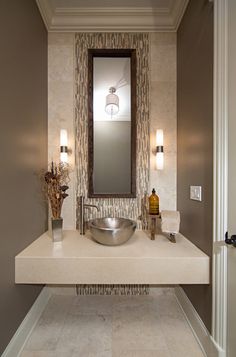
(116, 207)
(112, 289)
(107, 326)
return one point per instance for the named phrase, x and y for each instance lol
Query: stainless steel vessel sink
(112, 231)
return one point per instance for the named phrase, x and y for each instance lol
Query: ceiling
(112, 15)
(111, 3)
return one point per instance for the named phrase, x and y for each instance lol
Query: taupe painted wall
(195, 136)
(23, 145)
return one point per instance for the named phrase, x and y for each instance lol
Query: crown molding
(46, 12)
(111, 19)
(177, 11)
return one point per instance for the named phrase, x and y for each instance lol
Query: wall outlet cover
(196, 193)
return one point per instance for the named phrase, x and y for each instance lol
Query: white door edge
(220, 194)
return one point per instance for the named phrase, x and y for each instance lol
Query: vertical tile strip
(112, 289)
(120, 207)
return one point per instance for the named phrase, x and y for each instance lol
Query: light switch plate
(196, 193)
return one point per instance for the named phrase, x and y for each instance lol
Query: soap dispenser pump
(154, 203)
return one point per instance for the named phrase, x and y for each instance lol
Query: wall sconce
(63, 146)
(159, 150)
(112, 102)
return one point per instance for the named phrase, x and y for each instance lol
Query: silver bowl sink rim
(129, 222)
(120, 230)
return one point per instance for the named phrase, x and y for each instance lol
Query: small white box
(196, 193)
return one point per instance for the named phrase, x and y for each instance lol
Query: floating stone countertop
(80, 260)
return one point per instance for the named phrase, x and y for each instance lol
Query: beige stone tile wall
(61, 109)
(61, 77)
(163, 115)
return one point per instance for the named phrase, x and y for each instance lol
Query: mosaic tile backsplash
(120, 207)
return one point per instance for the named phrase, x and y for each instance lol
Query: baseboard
(205, 340)
(19, 339)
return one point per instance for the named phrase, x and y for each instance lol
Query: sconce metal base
(64, 149)
(159, 148)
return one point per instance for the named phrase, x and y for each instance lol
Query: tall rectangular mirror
(112, 123)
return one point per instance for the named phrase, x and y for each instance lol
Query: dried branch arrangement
(55, 186)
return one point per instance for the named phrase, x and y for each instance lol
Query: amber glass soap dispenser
(154, 203)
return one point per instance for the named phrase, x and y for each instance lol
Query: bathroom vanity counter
(80, 260)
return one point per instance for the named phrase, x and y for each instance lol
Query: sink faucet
(82, 206)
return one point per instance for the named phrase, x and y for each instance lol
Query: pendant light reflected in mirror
(112, 102)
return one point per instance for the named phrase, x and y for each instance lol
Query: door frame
(220, 177)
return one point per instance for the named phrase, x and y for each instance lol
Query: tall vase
(56, 229)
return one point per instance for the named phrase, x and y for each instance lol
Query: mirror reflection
(112, 141)
(112, 129)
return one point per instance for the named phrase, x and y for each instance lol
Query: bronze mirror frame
(130, 53)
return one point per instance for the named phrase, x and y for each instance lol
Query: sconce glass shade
(159, 160)
(64, 157)
(159, 149)
(112, 102)
(159, 137)
(63, 138)
(63, 146)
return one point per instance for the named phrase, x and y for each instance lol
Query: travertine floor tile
(92, 305)
(136, 325)
(163, 291)
(112, 326)
(131, 303)
(169, 306)
(86, 334)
